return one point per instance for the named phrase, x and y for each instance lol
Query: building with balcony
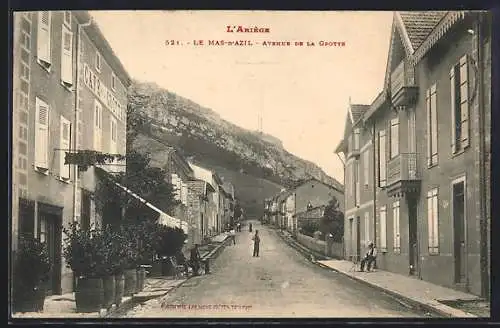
(70, 94)
(430, 128)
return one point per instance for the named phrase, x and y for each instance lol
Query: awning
(164, 219)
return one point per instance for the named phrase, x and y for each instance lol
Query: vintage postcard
(251, 164)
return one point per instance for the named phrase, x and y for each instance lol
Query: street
(279, 283)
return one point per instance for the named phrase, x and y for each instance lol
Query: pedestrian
(195, 259)
(250, 227)
(370, 257)
(256, 243)
(233, 236)
(239, 227)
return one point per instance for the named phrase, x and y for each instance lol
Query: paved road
(279, 283)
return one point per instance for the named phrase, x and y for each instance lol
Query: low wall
(333, 249)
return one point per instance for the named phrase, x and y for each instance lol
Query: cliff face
(201, 134)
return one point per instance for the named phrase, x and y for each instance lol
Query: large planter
(130, 282)
(29, 300)
(109, 285)
(141, 276)
(89, 294)
(119, 290)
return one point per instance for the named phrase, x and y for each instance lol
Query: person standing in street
(233, 235)
(256, 244)
(250, 227)
(195, 259)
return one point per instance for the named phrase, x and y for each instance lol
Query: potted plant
(118, 262)
(31, 273)
(130, 246)
(85, 255)
(107, 243)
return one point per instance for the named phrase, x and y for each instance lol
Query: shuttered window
(42, 134)
(366, 167)
(97, 125)
(367, 228)
(67, 56)
(459, 76)
(394, 137)
(395, 226)
(44, 38)
(357, 185)
(432, 127)
(381, 158)
(383, 228)
(432, 221)
(113, 136)
(64, 145)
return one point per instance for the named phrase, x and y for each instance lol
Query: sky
(302, 93)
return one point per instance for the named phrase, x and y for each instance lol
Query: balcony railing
(403, 168)
(403, 78)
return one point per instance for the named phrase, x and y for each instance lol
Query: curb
(437, 309)
(134, 300)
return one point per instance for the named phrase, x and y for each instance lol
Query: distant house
(199, 195)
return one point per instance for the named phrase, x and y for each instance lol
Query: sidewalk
(418, 292)
(64, 306)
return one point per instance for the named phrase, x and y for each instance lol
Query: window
(366, 167)
(432, 128)
(367, 228)
(113, 136)
(460, 105)
(394, 137)
(98, 61)
(356, 139)
(42, 134)
(67, 57)
(67, 19)
(97, 125)
(43, 42)
(432, 220)
(113, 81)
(43, 230)
(357, 176)
(64, 146)
(383, 228)
(381, 159)
(395, 225)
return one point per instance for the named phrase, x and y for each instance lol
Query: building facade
(431, 128)
(57, 91)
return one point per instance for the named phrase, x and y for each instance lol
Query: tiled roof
(419, 24)
(358, 111)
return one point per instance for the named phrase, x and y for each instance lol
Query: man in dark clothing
(256, 244)
(181, 260)
(370, 257)
(195, 259)
(250, 227)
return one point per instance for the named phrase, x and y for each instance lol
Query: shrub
(309, 228)
(86, 251)
(169, 241)
(32, 266)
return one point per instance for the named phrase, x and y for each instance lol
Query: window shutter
(367, 227)
(434, 124)
(435, 220)
(464, 100)
(429, 127)
(67, 56)
(383, 228)
(97, 125)
(453, 109)
(43, 42)
(366, 167)
(65, 141)
(112, 139)
(41, 134)
(358, 176)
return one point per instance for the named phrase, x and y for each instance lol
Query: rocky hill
(201, 134)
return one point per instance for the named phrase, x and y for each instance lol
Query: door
(85, 211)
(50, 233)
(412, 235)
(358, 239)
(459, 231)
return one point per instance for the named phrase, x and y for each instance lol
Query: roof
(95, 34)
(357, 111)
(419, 24)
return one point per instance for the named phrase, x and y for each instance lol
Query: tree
(332, 221)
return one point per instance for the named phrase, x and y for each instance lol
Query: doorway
(358, 239)
(49, 231)
(85, 211)
(459, 228)
(412, 236)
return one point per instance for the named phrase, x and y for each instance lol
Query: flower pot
(119, 284)
(141, 276)
(130, 282)
(109, 290)
(89, 295)
(29, 300)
